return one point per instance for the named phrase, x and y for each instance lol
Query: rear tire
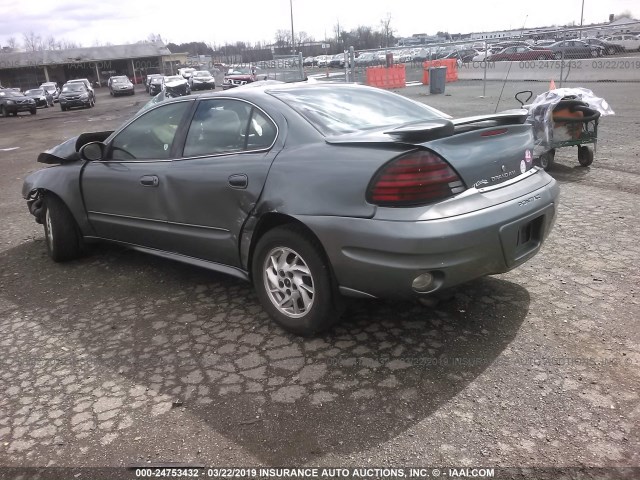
(33, 111)
(60, 230)
(294, 281)
(3, 112)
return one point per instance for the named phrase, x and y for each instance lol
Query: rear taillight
(416, 178)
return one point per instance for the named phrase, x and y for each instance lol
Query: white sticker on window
(166, 146)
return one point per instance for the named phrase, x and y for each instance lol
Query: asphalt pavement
(121, 358)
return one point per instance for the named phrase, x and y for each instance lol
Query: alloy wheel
(288, 282)
(49, 229)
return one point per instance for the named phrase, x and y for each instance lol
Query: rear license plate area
(521, 239)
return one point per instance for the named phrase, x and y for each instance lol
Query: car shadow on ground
(182, 337)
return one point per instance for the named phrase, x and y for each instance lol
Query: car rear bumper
(381, 258)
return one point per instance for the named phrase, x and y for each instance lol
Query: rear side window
(228, 126)
(336, 111)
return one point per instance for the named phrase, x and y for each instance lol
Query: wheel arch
(65, 185)
(256, 228)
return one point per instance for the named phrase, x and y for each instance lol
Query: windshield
(239, 71)
(35, 91)
(73, 87)
(338, 111)
(119, 80)
(201, 74)
(173, 78)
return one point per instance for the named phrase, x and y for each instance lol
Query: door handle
(150, 181)
(239, 180)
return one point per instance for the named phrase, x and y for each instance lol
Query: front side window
(151, 136)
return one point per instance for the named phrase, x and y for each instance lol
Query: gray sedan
(309, 191)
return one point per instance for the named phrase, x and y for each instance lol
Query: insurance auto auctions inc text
(364, 472)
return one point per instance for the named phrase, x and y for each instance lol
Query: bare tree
(387, 30)
(336, 30)
(32, 42)
(283, 38)
(155, 38)
(303, 37)
(50, 43)
(12, 43)
(68, 45)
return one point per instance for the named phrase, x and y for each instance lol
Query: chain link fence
(606, 53)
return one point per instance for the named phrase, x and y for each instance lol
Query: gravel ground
(122, 358)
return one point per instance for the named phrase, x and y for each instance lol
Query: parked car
(278, 185)
(308, 62)
(155, 85)
(520, 54)
(629, 42)
(575, 49)
(120, 85)
(337, 61)
(609, 48)
(52, 88)
(86, 83)
(366, 59)
(323, 60)
(75, 94)
(12, 102)
(186, 72)
(175, 86)
(41, 96)
(464, 55)
(202, 80)
(238, 76)
(151, 76)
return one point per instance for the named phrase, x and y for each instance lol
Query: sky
(217, 22)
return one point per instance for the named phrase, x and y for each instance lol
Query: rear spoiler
(421, 132)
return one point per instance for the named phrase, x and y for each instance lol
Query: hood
(176, 84)
(67, 151)
(239, 77)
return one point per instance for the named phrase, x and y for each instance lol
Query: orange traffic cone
(552, 85)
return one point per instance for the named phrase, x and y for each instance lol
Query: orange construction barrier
(383, 77)
(450, 63)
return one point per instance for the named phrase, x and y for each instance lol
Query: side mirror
(92, 151)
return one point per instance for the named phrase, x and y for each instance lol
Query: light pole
(293, 47)
(581, 18)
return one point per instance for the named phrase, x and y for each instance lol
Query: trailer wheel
(547, 158)
(585, 155)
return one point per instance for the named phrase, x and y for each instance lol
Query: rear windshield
(337, 111)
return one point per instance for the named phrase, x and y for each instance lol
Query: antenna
(510, 65)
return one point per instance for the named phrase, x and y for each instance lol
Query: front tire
(3, 112)
(294, 282)
(60, 230)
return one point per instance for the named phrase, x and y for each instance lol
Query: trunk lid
(484, 150)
